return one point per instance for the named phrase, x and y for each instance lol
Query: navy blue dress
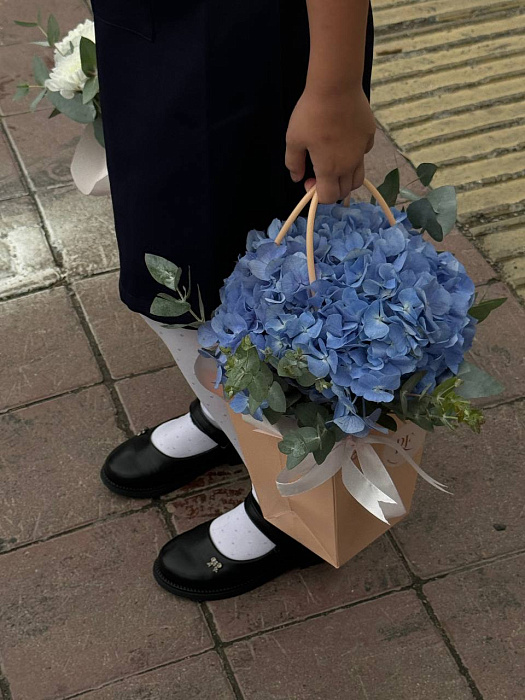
(196, 98)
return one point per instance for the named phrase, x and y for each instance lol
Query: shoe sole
(158, 490)
(201, 596)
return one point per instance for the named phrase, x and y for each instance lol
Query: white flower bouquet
(71, 85)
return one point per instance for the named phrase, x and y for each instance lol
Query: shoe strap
(203, 424)
(278, 537)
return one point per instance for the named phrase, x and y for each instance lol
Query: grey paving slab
(82, 610)
(50, 461)
(11, 184)
(194, 679)
(386, 649)
(26, 261)
(483, 613)
(484, 515)
(44, 350)
(46, 146)
(81, 229)
(128, 344)
(68, 15)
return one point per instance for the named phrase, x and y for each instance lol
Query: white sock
(181, 438)
(237, 538)
(183, 345)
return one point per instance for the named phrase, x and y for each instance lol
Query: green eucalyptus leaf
(408, 194)
(88, 56)
(297, 444)
(444, 202)
(475, 383)
(422, 216)
(272, 416)
(306, 379)
(326, 445)
(164, 306)
(425, 173)
(53, 30)
(276, 398)
(25, 24)
(446, 386)
(390, 188)
(40, 71)
(90, 90)
(40, 43)
(307, 413)
(34, 104)
(22, 91)
(253, 404)
(482, 310)
(99, 131)
(74, 109)
(387, 421)
(163, 271)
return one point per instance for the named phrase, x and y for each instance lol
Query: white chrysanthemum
(62, 48)
(67, 77)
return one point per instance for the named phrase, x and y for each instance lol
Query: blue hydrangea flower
(385, 304)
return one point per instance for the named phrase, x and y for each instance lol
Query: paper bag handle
(311, 196)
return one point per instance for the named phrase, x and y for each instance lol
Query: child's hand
(337, 130)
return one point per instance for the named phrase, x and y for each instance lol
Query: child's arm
(333, 120)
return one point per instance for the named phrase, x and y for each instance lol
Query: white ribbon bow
(371, 485)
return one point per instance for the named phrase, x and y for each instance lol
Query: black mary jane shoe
(191, 566)
(137, 469)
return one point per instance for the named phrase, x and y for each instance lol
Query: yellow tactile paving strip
(449, 87)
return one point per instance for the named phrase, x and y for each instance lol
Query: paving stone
(26, 262)
(16, 61)
(482, 611)
(46, 146)
(299, 594)
(499, 342)
(127, 343)
(82, 229)
(68, 15)
(50, 459)
(194, 679)
(150, 399)
(385, 157)
(44, 350)
(187, 513)
(484, 515)
(82, 610)
(384, 649)
(11, 184)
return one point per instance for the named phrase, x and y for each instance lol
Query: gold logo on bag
(214, 564)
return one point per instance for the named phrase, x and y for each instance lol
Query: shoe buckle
(214, 564)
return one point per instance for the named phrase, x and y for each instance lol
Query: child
(216, 115)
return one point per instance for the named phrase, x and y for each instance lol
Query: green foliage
(297, 445)
(169, 275)
(484, 308)
(74, 108)
(53, 30)
(88, 57)
(22, 90)
(425, 173)
(389, 189)
(475, 383)
(98, 130)
(40, 71)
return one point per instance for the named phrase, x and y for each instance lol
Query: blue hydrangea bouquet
(349, 324)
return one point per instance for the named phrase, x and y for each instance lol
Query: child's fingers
(359, 175)
(328, 189)
(309, 183)
(295, 161)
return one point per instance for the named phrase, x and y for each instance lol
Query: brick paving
(432, 610)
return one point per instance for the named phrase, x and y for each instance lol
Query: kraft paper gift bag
(328, 519)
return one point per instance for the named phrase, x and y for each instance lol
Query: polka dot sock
(237, 538)
(181, 438)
